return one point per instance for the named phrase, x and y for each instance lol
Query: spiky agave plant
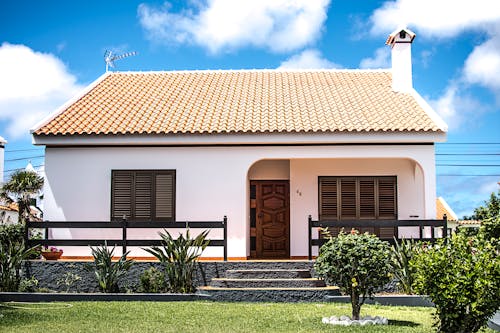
(107, 271)
(178, 257)
(404, 272)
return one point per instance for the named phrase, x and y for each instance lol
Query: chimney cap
(401, 35)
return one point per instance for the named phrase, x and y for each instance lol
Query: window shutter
(121, 200)
(367, 198)
(387, 198)
(328, 199)
(142, 206)
(347, 198)
(164, 195)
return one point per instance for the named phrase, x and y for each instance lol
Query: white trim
(71, 101)
(448, 208)
(430, 111)
(255, 138)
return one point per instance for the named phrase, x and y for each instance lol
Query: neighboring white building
(266, 148)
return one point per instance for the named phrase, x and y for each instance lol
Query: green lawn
(201, 317)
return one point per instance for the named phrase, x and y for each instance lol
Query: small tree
(462, 279)
(22, 187)
(358, 263)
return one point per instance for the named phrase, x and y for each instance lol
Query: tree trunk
(356, 307)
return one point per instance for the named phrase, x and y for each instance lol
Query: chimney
(2, 151)
(400, 42)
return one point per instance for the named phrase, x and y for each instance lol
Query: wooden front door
(272, 219)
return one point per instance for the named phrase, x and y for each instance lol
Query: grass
(200, 317)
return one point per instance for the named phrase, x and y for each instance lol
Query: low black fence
(124, 225)
(372, 224)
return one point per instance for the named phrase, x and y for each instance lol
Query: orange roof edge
(442, 208)
(71, 101)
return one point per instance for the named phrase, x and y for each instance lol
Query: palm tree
(22, 188)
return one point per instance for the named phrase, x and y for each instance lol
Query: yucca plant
(12, 255)
(178, 257)
(402, 254)
(107, 271)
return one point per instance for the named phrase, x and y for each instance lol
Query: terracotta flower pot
(52, 255)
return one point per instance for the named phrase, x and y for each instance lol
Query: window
(353, 198)
(143, 195)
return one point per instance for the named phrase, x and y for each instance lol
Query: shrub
(358, 263)
(12, 255)
(28, 285)
(178, 257)
(12, 233)
(108, 272)
(402, 254)
(461, 276)
(153, 281)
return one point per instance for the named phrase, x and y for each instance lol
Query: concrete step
(267, 283)
(269, 294)
(268, 273)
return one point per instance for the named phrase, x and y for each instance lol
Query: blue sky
(50, 50)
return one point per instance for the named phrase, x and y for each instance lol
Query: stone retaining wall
(49, 273)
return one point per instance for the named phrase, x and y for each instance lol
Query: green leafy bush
(12, 233)
(107, 271)
(179, 257)
(358, 263)
(461, 276)
(153, 281)
(404, 272)
(28, 285)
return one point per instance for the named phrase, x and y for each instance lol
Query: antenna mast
(110, 58)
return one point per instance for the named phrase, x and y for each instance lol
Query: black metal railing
(124, 225)
(356, 224)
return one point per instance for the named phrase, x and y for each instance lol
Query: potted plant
(51, 253)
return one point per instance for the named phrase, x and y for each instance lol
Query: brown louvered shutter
(387, 198)
(328, 199)
(121, 189)
(347, 198)
(142, 202)
(367, 198)
(164, 196)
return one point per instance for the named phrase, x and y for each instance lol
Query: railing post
(309, 231)
(124, 234)
(445, 226)
(224, 222)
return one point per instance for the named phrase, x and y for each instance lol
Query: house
(266, 148)
(9, 213)
(442, 208)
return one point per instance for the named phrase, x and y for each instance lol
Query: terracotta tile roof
(442, 208)
(13, 207)
(244, 101)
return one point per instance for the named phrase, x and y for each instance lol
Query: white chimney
(400, 42)
(2, 151)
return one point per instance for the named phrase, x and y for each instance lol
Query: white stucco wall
(213, 181)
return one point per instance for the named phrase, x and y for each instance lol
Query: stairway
(269, 284)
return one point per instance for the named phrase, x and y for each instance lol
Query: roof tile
(241, 102)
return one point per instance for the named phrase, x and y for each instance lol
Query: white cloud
(308, 59)
(32, 85)
(483, 64)
(381, 59)
(445, 19)
(456, 107)
(225, 25)
(442, 18)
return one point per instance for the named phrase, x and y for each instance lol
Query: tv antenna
(110, 58)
